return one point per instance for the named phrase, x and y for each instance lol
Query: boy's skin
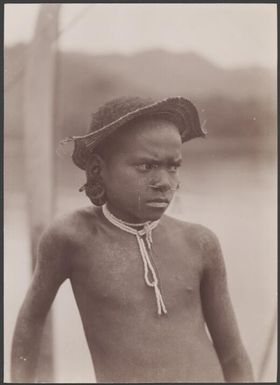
(128, 340)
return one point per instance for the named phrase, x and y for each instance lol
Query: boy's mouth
(161, 203)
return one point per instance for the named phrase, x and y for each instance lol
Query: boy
(145, 284)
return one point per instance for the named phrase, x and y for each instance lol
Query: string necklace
(146, 230)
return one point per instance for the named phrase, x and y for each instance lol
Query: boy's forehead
(152, 136)
(149, 137)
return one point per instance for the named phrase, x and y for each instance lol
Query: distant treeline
(235, 103)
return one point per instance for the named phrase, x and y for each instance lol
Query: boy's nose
(164, 182)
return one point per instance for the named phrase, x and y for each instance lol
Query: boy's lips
(158, 203)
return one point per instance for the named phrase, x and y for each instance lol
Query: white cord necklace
(146, 230)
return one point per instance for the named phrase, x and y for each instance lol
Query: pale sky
(227, 34)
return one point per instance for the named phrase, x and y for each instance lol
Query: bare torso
(128, 340)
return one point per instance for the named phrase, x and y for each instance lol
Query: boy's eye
(173, 167)
(147, 166)
(153, 166)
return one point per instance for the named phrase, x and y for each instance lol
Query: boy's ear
(96, 166)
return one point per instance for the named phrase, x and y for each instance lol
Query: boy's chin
(152, 215)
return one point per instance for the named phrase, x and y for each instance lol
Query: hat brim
(178, 110)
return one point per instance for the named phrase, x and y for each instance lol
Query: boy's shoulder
(71, 225)
(193, 229)
(196, 233)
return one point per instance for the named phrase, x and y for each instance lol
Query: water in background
(233, 195)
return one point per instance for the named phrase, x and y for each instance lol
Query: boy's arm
(50, 271)
(220, 317)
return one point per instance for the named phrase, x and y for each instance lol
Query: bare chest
(110, 271)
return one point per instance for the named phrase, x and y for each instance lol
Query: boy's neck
(125, 217)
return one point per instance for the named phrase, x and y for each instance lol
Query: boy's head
(132, 154)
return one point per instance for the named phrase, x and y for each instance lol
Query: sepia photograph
(140, 192)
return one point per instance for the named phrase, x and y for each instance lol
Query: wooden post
(39, 148)
(268, 347)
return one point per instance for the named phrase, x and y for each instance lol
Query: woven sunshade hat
(118, 112)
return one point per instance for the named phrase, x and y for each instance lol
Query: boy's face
(141, 173)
